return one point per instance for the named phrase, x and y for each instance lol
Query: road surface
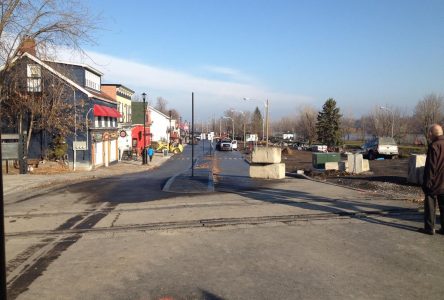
(122, 237)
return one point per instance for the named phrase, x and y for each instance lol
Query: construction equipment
(174, 148)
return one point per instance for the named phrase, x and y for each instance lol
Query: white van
(234, 145)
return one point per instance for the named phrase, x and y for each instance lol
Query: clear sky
(362, 53)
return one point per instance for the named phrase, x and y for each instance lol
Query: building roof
(88, 92)
(118, 85)
(88, 67)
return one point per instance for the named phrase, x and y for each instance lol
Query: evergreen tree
(257, 122)
(328, 124)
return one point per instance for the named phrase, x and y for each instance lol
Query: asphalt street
(122, 237)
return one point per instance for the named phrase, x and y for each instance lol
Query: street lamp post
(267, 107)
(232, 125)
(267, 120)
(144, 158)
(393, 116)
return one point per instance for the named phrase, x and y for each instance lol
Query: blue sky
(362, 53)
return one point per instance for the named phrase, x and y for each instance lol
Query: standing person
(150, 153)
(433, 181)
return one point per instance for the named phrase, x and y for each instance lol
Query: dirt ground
(387, 178)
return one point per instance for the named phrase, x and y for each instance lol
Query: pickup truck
(224, 145)
(380, 147)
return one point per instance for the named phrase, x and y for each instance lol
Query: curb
(170, 181)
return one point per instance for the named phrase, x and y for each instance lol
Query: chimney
(28, 45)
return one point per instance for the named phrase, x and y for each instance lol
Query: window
(92, 80)
(121, 111)
(34, 78)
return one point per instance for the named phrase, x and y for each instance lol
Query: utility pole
(192, 134)
(144, 158)
(3, 290)
(267, 120)
(169, 133)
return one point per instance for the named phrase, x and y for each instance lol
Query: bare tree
(428, 111)
(162, 105)
(306, 123)
(348, 125)
(38, 26)
(381, 121)
(52, 23)
(285, 124)
(174, 114)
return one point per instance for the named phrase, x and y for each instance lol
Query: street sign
(10, 151)
(79, 145)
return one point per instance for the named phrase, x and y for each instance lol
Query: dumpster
(319, 159)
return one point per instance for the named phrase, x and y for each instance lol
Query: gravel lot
(387, 178)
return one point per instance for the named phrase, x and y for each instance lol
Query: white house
(159, 125)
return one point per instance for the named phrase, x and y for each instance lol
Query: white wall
(159, 125)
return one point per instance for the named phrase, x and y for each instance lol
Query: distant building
(123, 96)
(157, 122)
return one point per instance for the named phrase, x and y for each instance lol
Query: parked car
(319, 148)
(224, 145)
(234, 145)
(380, 147)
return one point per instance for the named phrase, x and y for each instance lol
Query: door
(98, 153)
(113, 154)
(106, 153)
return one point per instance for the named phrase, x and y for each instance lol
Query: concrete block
(270, 155)
(416, 168)
(269, 171)
(357, 164)
(331, 165)
(365, 165)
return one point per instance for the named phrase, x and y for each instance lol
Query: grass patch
(406, 151)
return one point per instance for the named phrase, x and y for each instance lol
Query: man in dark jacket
(433, 181)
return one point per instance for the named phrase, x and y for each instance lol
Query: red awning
(104, 111)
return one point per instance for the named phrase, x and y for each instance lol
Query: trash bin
(165, 152)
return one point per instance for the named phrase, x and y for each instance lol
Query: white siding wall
(113, 154)
(159, 126)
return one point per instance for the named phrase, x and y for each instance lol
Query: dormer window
(92, 80)
(34, 78)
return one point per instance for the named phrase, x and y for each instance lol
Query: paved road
(121, 237)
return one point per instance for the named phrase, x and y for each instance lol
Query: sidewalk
(23, 182)
(199, 180)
